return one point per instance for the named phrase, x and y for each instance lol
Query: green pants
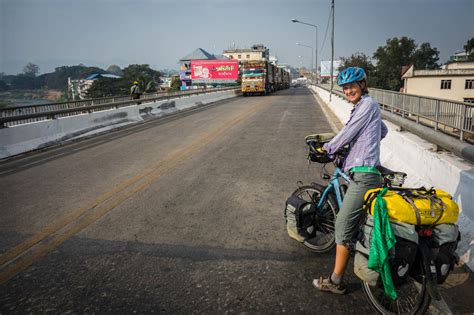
(351, 211)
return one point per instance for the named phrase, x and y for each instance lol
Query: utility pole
(316, 55)
(332, 50)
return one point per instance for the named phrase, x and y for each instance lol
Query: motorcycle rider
(363, 133)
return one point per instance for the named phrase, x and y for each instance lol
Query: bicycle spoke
(325, 238)
(323, 225)
(328, 227)
(410, 298)
(326, 223)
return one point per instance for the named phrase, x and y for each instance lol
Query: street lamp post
(312, 79)
(305, 58)
(316, 50)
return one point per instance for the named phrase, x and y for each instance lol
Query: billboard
(326, 68)
(211, 70)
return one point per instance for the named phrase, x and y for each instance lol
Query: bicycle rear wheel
(413, 297)
(324, 220)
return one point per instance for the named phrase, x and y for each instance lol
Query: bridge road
(177, 215)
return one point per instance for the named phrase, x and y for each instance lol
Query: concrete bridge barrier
(37, 135)
(425, 166)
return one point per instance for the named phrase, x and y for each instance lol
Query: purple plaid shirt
(363, 132)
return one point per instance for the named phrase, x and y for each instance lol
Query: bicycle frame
(334, 185)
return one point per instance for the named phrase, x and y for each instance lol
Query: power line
(326, 33)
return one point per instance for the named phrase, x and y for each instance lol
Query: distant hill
(168, 72)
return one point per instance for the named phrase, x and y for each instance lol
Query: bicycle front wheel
(324, 219)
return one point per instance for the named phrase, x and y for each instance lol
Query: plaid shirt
(362, 132)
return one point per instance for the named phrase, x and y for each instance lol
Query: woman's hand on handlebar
(320, 150)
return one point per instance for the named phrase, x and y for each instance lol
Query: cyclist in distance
(363, 132)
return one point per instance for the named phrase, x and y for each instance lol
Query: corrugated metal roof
(198, 54)
(96, 76)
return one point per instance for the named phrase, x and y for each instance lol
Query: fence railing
(12, 116)
(450, 117)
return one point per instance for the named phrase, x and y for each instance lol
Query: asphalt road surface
(180, 214)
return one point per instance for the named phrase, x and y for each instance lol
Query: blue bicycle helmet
(351, 74)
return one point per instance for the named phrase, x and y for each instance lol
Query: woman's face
(353, 92)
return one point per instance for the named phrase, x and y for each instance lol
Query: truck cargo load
(258, 77)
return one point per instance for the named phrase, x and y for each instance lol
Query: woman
(363, 133)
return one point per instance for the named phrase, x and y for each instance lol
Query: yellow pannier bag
(417, 206)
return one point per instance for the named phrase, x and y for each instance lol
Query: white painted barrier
(32, 136)
(37, 135)
(403, 151)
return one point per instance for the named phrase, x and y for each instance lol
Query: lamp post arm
(306, 23)
(316, 48)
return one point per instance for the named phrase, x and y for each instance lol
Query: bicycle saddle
(386, 171)
(392, 178)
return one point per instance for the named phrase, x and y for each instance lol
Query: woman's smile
(353, 92)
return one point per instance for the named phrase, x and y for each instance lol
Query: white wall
(403, 151)
(431, 87)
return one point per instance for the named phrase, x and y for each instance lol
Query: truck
(258, 77)
(279, 78)
(282, 78)
(286, 79)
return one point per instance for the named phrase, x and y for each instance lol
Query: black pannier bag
(299, 216)
(444, 245)
(401, 256)
(401, 259)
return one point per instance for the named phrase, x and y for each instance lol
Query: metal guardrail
(12, 116)
(450, 117)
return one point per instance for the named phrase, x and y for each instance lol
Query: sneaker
(325, 284)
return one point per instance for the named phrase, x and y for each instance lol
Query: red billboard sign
(214, 69)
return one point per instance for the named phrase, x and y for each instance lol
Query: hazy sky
(52, 33)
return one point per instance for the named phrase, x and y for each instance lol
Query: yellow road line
(56, 226)
(105, 203)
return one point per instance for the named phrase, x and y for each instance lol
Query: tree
(390, 59)
(31, 70)
(469, 47)
(398, 53)
(362, 61)
(23, 82)
(108, 87)
(114, 69)
(3, 86)
(426, 57)
(147, 77)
